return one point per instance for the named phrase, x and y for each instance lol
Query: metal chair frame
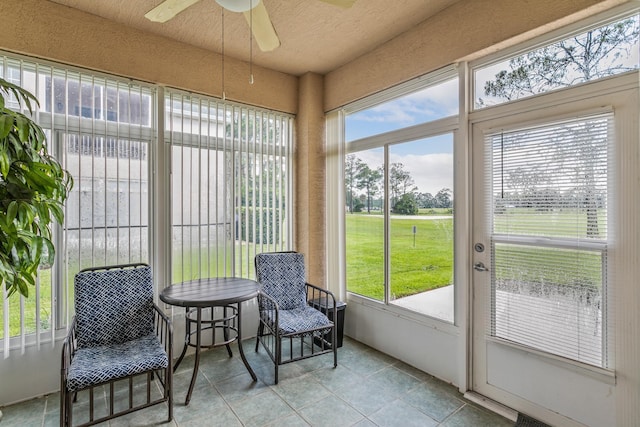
(163, 330)
(312, 342)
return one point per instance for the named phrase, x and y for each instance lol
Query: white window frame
(610, 16)
(338, 149)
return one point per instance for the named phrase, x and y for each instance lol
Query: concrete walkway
(437, 303)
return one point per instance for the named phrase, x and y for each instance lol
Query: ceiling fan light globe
(238, 5)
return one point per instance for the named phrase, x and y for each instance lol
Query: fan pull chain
(224, 95)
(250, 44)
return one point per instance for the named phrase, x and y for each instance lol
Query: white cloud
(433, 102)
(431, 172)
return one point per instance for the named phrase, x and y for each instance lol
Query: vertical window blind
(231, 185)
(549, 236)
(100, 129)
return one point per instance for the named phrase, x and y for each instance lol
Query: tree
(425, 200)
(351, 166)
(598, 53)
(407, 205)
(443, 198)
(33, 187)
(400, 182)
(369, 180)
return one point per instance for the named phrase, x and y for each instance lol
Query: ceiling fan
(254, 12)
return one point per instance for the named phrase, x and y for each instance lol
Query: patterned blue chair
(117, 337)
(291, 326)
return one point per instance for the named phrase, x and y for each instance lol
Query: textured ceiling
(315, 36)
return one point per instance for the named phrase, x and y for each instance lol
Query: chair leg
(68, 408)
(169, 389)
(334, 344)
(259, 334)
(278, 355)
(63, 412)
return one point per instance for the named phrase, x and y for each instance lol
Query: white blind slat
(99, 128)
(549, 218)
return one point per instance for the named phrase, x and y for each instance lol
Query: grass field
(29, 308)
(414, 268)
(190, 266)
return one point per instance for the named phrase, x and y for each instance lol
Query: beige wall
(462, 30)
(47, 30)
(310, 172)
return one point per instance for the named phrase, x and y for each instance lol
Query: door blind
(549, 236)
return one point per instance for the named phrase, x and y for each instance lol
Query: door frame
(599, 402)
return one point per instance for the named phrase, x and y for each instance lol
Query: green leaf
(36, 248)
(22, 125)
(5, 164)
(26, 214)
(50, 251)
(12, 210)
(23, 288)
(6, 124)
(24, 96)
(57, 212)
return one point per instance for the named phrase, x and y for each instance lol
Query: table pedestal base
(230, 326)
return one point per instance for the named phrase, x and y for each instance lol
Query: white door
(542, 201)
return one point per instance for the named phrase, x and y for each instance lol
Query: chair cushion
(95, 365)
(113, 306)
(298, 320)
(282, 276)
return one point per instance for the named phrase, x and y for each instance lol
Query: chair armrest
(267, 302)
(318, 297)
(164, 330)
(69, 347)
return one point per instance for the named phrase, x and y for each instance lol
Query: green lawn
(414, 268)
(29, 308)
(192, 264)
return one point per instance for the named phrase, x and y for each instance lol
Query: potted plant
(33, 188)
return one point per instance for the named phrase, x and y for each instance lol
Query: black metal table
(226, 293)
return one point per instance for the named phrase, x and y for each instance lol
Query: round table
(225, 292)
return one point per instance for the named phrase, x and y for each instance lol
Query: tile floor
(368, 388)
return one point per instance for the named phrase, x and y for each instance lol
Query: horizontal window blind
(549, 236)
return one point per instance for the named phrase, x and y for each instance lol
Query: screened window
(550, 230)
(398, 177)
(597, 53)
(230, 185)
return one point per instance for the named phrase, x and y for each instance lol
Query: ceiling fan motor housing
(238, 5)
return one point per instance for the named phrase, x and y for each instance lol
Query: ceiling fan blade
(263, 31)
(168, 9)
(342, 3)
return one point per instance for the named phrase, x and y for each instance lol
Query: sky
(428, 160)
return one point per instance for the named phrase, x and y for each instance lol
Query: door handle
(478, 266)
